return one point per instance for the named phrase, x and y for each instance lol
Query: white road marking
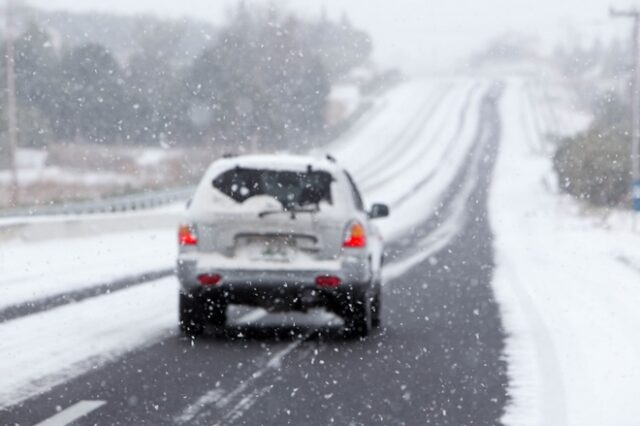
(275, 363)
(244, 405)
(217, 396)
(213, 397)
(72, 413)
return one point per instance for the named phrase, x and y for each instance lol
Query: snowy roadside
(568, 297)
(31, 271)
(76, 338)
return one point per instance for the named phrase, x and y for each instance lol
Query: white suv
(282, 233)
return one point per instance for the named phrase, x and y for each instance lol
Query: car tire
(358, 318)
(191, 315)
(216, 312)
(376, 309)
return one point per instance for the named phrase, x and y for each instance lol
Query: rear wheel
(376, 309)
(191, 315)
(215, 312)
(358, 317)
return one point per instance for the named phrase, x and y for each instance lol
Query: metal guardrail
(125, 203)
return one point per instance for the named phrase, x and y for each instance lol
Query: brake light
(186, 236)
(209, 279)
(328, 281)
(356, 236)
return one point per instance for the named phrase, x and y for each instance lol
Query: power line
(12, 120)
(634, 14)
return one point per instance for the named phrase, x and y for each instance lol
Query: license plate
(270, 249)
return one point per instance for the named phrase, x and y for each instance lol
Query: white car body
(257, 251)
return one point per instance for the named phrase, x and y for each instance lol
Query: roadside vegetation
(594, 165)
(122, 104)
(262, 78)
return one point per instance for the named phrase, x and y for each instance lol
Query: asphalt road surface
(437, 359)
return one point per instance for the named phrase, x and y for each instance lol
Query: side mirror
(379, 211)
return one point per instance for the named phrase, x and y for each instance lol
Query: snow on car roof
(207, 200)
(275, 162)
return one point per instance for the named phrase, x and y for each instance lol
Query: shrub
(594, 166)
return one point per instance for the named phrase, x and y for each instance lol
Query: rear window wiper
(291, 211)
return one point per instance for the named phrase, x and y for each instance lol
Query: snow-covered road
(406, 153)
(566, 286)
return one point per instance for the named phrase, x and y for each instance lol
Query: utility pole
(634, 14)
(12, 120)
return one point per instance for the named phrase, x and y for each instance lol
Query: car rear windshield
(291, 188)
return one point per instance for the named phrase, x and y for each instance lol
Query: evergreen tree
(93, 102)
(261, 83)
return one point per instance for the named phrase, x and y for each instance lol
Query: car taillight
(356, 236)
(186, 236)
(209, 279)
(328, 281)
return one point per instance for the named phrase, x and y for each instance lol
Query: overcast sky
(419, 34)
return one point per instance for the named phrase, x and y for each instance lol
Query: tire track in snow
(396, 168)
(396, 146)
(406, 105)
(417, 250)
(455, 139)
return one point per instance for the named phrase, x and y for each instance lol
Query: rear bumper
(278, 289)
